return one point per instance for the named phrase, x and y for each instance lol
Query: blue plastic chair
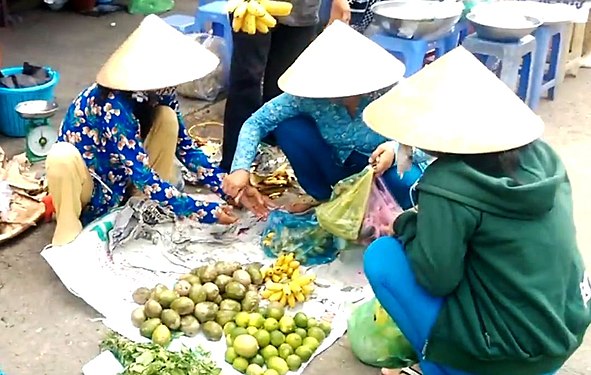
(411, 51)
(548, 42)
(182, 22)
(457, 35)
(216, 14)
(516, 60)
(324, 14)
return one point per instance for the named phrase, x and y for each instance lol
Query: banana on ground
(285, 283)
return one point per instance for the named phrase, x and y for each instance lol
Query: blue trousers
(413, 309)
(318, 170)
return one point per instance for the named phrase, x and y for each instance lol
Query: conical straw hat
(454, 105)
(156, 56)
(341, 62)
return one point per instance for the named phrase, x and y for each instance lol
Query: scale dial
(40, 139)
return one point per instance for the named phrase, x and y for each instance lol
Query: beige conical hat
(454, 105)
(341, 62)
(156, 56)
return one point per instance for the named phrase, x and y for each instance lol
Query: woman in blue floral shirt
(126, 130)
(317, 121)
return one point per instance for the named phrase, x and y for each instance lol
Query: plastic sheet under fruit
(141, 263)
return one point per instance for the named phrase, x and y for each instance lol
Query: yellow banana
(295, 287)
(277, 8)
(263, 29)
(240, 10)
(299, 296)
(305, 279)
(267, 293)
(274, 287)
(276, 296)
(280, 261)
(307, 289)
(289, 257)
(284, 267)
(276, 278)
(286, 289)
(283, 300)
(255, 8)
(294, 264)
(296, 274)
(268, 20)
(237, 24)
(249, 25)
(291, 301)
(232, 5)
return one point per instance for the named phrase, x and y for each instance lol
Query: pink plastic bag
(382, 210)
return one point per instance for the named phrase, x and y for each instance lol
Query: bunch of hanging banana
(283, 268)
(252, 15)
(291, 292)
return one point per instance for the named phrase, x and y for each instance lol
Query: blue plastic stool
(324, 13)
(542, 80)
(411, 51)
(516, 60)
(457, 35)
(215, 13)
(182, 22)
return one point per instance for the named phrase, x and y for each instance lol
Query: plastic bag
(150, 6)
(376, 340)
(382, 210)
(301, 235)
(209, 87)
(344, 213)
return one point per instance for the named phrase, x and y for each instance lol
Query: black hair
(504, 163)
(143, 111)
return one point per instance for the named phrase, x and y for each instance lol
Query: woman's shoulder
(96, 107)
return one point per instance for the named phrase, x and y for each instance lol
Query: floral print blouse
(108, 138)
(343, 132)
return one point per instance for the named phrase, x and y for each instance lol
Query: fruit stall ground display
(218, 291)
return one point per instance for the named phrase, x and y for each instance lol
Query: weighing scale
(40, 134)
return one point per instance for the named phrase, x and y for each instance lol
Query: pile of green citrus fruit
(269, 342)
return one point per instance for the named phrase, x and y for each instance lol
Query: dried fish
(136, 220)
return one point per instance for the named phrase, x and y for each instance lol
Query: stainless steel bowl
(502, 34)
(36, 109)
(417, 19)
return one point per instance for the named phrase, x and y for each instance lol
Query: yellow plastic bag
(343, 215)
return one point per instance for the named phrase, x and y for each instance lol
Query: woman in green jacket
(484, 276)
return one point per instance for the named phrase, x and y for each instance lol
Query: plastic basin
(11, 124)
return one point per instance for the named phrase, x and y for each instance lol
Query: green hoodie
(505, 257)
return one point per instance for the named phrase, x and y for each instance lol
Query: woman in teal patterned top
(317, 120)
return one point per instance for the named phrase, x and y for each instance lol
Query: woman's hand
(382, 158)
(255, 202)
(234, 183)
(226, 215)
(340, 10)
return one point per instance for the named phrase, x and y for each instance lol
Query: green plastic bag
(150, 6)
(343, 215)
(376, 340)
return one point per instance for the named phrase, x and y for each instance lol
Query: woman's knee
(382, 257)
(165, 124)
(63, 156)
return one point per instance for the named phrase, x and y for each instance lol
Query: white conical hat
(156, 56)
(454, 105)
(341, 62)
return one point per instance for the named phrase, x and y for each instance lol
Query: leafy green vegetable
(152, 359)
